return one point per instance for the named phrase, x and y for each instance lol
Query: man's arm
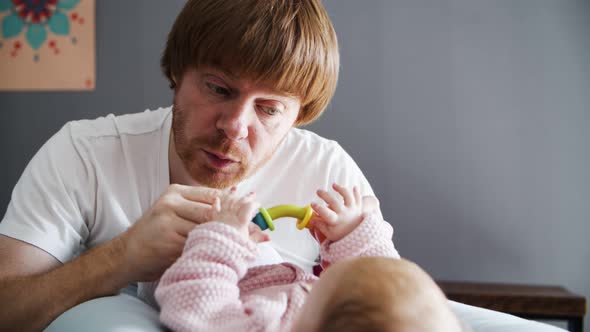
(35, 287)
(38, 288)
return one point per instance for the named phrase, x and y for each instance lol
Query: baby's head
(376, 294)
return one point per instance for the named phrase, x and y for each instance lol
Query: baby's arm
(340, 215)
(372, 237)
(201, 286)
(351, 226)
(200, 292)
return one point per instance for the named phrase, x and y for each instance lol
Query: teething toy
(264, 218)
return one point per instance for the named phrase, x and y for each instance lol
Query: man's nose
(235, 120)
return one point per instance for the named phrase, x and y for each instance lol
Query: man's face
(226, 127)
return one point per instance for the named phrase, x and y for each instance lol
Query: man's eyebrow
(282, 97)
(223, 72)
(213, 71)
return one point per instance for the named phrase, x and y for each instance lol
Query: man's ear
(174, 82)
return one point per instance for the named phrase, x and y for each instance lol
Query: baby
(366, 287)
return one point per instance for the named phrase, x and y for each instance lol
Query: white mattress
(484, 320)
(125, 313)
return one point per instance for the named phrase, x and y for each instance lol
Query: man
(109, 202)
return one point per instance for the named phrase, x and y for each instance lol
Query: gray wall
(130, 38)
(468, 117)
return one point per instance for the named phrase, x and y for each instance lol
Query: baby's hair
(378, 294)
(353, 315)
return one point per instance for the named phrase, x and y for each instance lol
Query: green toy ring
(266, 215)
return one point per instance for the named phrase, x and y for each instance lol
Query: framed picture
(47, 45)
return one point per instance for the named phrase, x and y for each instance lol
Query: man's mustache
(220, 145)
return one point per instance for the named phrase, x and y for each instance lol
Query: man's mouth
(219, 160)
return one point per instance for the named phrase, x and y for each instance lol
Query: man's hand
(342, 216)
(156, 240)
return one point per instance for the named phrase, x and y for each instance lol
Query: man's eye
(270, 110)
(217, 89)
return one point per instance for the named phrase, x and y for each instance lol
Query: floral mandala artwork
(47, 44)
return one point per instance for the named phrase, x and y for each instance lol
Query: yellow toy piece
(302, 214)
(304, 223)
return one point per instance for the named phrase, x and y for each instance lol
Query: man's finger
(198, 194)
(183, 226)
(194, 211)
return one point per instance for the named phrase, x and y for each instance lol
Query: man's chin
(219, 184)
(219, 181)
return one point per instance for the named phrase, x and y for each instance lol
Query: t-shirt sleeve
(48, 202)
(347, 173)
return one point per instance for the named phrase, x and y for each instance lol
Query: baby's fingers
(248, 211)
(370, 204)
(256, 234)
(328, 216)
(321, 226)
(346, 194)
(330, 199)
(357, 194)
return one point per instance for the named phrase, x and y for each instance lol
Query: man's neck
(178, 173)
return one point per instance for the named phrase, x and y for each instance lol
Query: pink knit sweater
(209, 288)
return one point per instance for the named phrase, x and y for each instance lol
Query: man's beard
(202, 173)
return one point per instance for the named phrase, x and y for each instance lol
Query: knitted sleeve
(200, 292)
(372, 237)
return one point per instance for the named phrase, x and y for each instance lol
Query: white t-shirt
(95, 178)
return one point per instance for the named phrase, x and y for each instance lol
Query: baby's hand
(341, 217)
(238, 211)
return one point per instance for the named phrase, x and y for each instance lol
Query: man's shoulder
(112, 125)
(305, 141)
(318, 154)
